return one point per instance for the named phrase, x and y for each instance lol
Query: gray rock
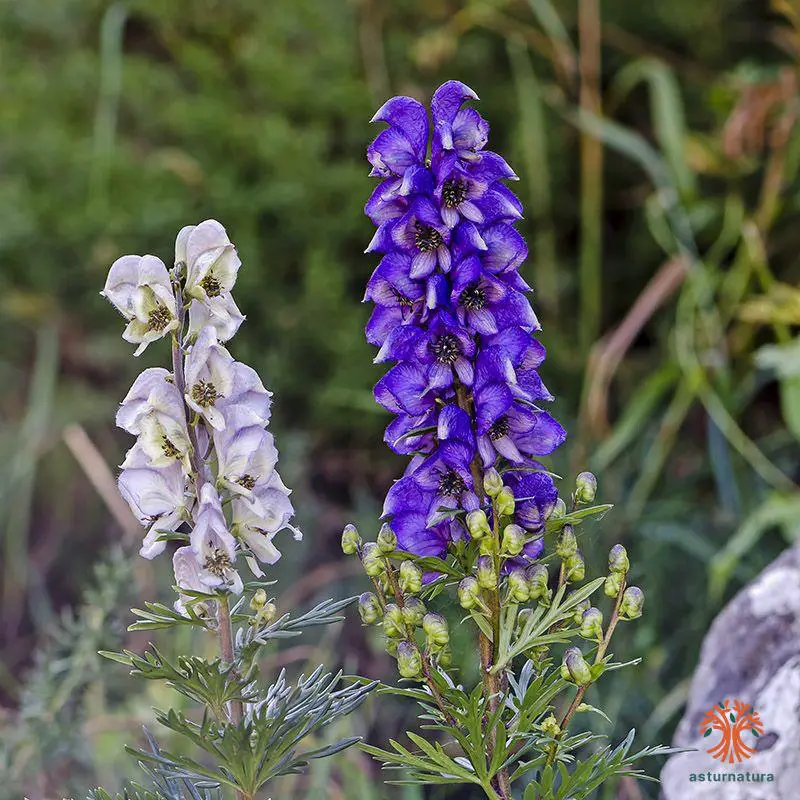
(752, 654)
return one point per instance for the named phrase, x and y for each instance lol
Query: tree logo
(732, 722)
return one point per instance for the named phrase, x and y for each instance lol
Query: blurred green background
(658, 151)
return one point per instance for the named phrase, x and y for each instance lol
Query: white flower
(213, 544)
(246, 453)
(220, 312)
(152, 389)
(157, 498)
(189, 575)
(209, 376)
(210, 257)
(249, 391)
(256, 520)
(140, 288)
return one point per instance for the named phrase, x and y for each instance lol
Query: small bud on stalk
(559, 510)
(351, 541)
(409, 661)
(538, 579)
(387, 540)
(485, 572)
(469, 593)
(435, 627)
(585, 488)
(592, 624)
(613, 584)
(575, 568)
(574, 667)
(518, 589)
(372, 560)
(632, 603)
(369, 608)
(504, 502)
(410, 578)
(413, 611)
(567, 543)
(618, 560)
(550, 727)
(492, 482)
(583, 606)
(394, 626)
(258, 600)
(513, 540)
(478, 524)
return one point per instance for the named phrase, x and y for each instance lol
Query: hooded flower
(209, 377)
(213, 544)
(247, 390)
(157, 498)
(210, 258)
(220, 312)
(139, 287)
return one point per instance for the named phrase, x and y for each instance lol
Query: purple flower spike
(451, 312)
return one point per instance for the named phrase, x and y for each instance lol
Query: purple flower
(451, 312)
(535, 496)
(213, 544)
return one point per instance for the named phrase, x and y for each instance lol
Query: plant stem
(225, 633)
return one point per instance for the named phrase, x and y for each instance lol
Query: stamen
(427, 238)
(204, 393)
(159, 318)
(447, 349)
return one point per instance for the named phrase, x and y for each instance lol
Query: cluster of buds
(415, 637)
(203, 460)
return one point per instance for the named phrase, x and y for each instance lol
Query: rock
(751, 654)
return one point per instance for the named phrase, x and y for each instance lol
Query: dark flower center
(204, 393)
(473, 298)
(451, 484)
(158, 318)
(427, 238)
(499, 428)
(454, 192)
(402, 299)
(211, 285)
(446, 349)
(247, 481)
(168, 447)
(217, 562)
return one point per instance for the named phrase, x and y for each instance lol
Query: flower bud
(559, 510)
(518, 589)
(409, 661)
(576, 568)
(413, 611)
(613, 584)
(618, 560)
(592, 624)
(567, 544)
(372, 560)
(550, 727)
(258, 600)
(492, 482)
(504, 502)
(267, 614)
(538, 579)
(394, 626)
(632, 603)
(584, 605)
(387, 540)
(391, 647)
(585, 488)
(574, 667)
(486, 574)
(435, 627)
(445, 657)
(478, 524)
(468, 593)
(351, 541)
(513, 540)
(410, 577)
(369, 608)
(522, 618)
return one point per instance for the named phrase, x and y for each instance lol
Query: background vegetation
(658, 150)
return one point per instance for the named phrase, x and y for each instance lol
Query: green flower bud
(492, 482)
(522, 618)
(372, 560)
(409, 661)
(258, 600)
(487, 577)
(267, 614)
(613, 584)
(559, 510)
(394, 626)
(478, 524)
(632, 603)
(410, 577)
(504, 502)
(351, 541)
(584, 605)
(445, 657)
(574, 667)
(618, 560)
(518, 589)
(468, 592)
(369, 608)
(391, 647)
(387, 540)
(550, 727)
(567, 544)
(576, 568)
(585, 488)
(538, 579)
(435, 627)
(513, 540)
(413, 611)
(537, 654)
(592, 624)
